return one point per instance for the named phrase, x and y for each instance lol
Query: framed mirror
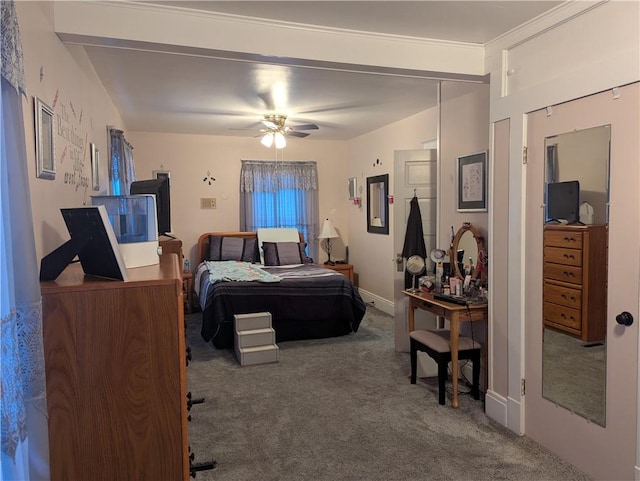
(466, 252)
(377, 204)
(575, 271)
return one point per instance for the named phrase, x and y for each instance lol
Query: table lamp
(328, 232)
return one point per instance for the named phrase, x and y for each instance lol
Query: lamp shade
(328, 231)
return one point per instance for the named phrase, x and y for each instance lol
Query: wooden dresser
(575, 280)
(116, 375)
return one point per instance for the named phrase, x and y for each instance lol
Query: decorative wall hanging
(45, 144)
(95, 167)
(208, 178)
(472, 182)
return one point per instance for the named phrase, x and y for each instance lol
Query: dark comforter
(309, 302)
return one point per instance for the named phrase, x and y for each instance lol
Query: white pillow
(276, 234)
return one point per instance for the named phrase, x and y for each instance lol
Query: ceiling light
(267, 139)
(281, 142)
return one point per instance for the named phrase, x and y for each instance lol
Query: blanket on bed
(237, 271)
(308, 302)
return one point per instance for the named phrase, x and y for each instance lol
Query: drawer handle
(564, 296)
(568, 274)
(570, 239)
(569, 256)
(564, 317)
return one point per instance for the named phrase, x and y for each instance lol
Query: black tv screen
(563, 202)
(159, 188)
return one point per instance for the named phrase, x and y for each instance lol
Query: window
(280, 194)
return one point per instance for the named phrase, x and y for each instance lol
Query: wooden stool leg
(475, 389)
(414, 361)
(442, 380)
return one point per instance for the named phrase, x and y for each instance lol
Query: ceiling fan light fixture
(267, 139)
(281, 142)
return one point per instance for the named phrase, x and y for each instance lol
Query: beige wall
(372, 254)
(190, 157)
(464, 130)
(63, 78)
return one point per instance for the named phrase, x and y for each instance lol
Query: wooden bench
(436, 344)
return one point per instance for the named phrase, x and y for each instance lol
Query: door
(605, 451)
(415, 172)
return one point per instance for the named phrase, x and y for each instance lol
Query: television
(159, 188)
(92, 241)
(563, 202)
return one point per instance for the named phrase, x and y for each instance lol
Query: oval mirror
(464, 252)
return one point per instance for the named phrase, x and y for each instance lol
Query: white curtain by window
(280, 194)
(121, 168)
(23, 408)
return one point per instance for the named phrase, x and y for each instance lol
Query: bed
(306, 302)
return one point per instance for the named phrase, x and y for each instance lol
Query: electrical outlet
(208, 203)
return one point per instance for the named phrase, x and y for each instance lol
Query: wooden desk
(455, 313)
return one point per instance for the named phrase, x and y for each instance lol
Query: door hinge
(524, 154)
(523, 387)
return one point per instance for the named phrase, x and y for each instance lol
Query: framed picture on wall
(95, 167)
(472, 182)
(162, 174)
(45, 145)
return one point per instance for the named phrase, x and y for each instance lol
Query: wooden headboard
(203, 241)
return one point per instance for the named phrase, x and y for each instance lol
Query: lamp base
(329, 263)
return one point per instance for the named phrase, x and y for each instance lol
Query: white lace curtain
(25, 448)
(121, 168)
(280, 194)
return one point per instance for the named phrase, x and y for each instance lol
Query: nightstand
(187, 288)
(344, 269)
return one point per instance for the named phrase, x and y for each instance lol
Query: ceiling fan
(275, 130)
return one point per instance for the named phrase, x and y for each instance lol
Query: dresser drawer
(560, 272)
(571, 240)
(564, 316)
(564, 296)
(560, 255)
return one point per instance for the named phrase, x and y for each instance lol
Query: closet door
(600, 438)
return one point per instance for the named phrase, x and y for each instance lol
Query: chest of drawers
(575, 280)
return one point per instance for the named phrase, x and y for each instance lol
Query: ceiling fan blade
(267, 99)
(293, 133)
(268, 124)
(304, 127)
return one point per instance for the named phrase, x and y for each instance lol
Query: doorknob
(399, 261)
(625, 318)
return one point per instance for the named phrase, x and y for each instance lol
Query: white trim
(496, 407)
(380, 303)
(515, 416)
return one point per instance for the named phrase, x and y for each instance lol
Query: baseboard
(514, 416)
(496, 407)
(378, 302)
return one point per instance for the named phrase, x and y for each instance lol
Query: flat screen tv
(159, 188)
(92, 241)
(563, 202)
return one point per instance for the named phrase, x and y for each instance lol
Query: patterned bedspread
(308, 302)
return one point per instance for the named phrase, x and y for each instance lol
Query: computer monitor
(563, 202)
(92, 241)
(159, 188)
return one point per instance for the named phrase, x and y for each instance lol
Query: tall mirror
(377, 204)
(575, 271)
